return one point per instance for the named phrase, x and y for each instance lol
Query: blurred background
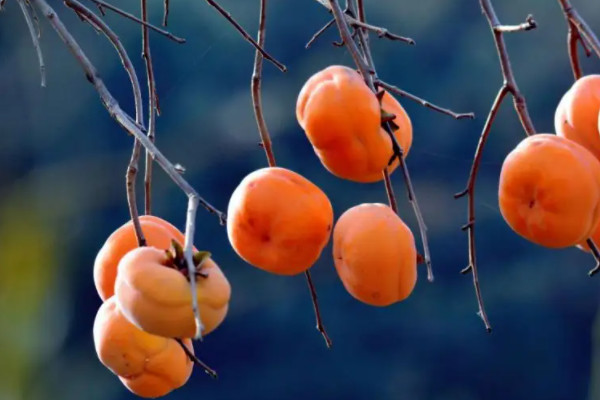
(62, 192)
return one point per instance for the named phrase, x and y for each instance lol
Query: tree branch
(127, 15)
(131, 173)
(211, 372)
(245, 34)
(35, 36)
(115, 111)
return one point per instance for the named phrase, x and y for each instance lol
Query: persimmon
(374, 254)
(148, 365)
(153, 291)
(549, 191)
(279, 221)
(342, 118)
(577, 114)
(158, 233)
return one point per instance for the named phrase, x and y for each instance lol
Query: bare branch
(190, 225)
(115, 111)
(152, 100)
(165, 12)
(319, 33)
(127, 15)
(245, 34)
(131, 173)
(424, 103)
(389, 190)
(34, 37)
(528, 25)
(266, 142)
(596, 254)
(211, 372)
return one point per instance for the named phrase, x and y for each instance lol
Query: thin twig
(256, 89)
(127, 15)
(245, 34)
(34, 38)
(266, 142)
(209, 371)
(389, 190)
(596, 254)
(424, 103)
(152, 97)
(579, 32)
(165, 12)
(528, 25)
(132, 168)
(315, 301)
(115, 111)
(319, 33)
(509, 87)
(2, 2)
(367, 68)
(188, 251)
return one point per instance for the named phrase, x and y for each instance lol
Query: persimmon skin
(158, 299)
(549, 191)
(279, 221)
(577, 114)
(375, 255)
(158, 233)
(341, 117)
(149, 366)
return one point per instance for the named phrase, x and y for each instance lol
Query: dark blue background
(62, 163)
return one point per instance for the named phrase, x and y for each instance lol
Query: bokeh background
(62, 192)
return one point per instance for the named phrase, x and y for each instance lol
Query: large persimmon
(577, 114)
(342, 118)
(375, 255)
(148, 365)
(279, 221)
(549, 191)
(158, 233)
(153, 291)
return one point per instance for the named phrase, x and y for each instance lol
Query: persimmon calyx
(387, 121)
(176, 259)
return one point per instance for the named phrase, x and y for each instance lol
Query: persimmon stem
(130, 176)
(29, 20)
(313, 294)
(127, 15)
(115, 111)
(389, 190)
(152, 106)
(165, 12)
(579, 31)
(246, 35)
(193, 358)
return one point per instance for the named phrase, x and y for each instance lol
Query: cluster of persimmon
(147, 306)
(549, 190)
(280, 222)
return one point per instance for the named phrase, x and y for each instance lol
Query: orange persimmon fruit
(577, 114)
(375, 255)
(342, 117)
(279, 221)
(549, 191)
(148, 365)
(158, 233)
(153, 291)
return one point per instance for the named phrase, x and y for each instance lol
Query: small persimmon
(342, 119)
(549, 191)
(577, 114)
(153, 291)
(279, 221)
(148, 365)
(158, 233)
(375, 255)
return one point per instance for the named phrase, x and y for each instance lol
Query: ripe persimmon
(549, 191)
(577, 114)
(279, 221)
(375, 255)
(154, 293)
(148, 365)
(158, 233)
(341, 117)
